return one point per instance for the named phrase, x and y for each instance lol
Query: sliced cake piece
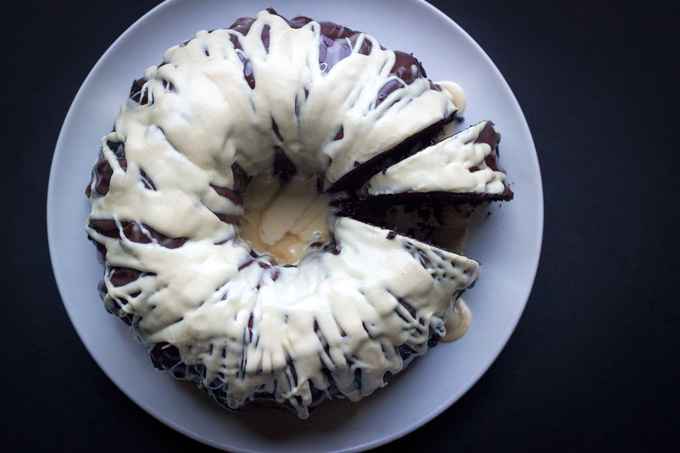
(463, 167)
(366, 162)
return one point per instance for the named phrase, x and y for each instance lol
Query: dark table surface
(594, 362)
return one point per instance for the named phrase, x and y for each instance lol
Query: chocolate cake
(461, 168)
(278, 103)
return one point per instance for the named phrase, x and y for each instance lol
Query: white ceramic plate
(507, 243)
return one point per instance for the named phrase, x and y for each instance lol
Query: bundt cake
(316, 116)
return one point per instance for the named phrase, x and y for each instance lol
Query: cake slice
(365, 163)
(462, 168)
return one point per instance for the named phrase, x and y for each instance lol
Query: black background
(595, 361)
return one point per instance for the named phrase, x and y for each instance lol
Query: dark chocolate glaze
(137, 94)
(283, 167)
(241, 178)
(121, 276)
(264, 37)
(235, 197)
(101, 176)
(102, 171)
(148, 183)
(134, 232)
(491, 137)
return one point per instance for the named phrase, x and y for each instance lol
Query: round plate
(507, 243)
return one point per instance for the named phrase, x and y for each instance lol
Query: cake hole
(284, 219)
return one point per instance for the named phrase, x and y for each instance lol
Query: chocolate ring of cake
(276, 98)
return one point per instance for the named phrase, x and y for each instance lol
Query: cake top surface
(224, 107)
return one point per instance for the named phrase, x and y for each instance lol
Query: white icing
(458, 323)
(445, 166)
(457, 93)
(252, 326)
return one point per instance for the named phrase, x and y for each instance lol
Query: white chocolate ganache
(255, 284)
